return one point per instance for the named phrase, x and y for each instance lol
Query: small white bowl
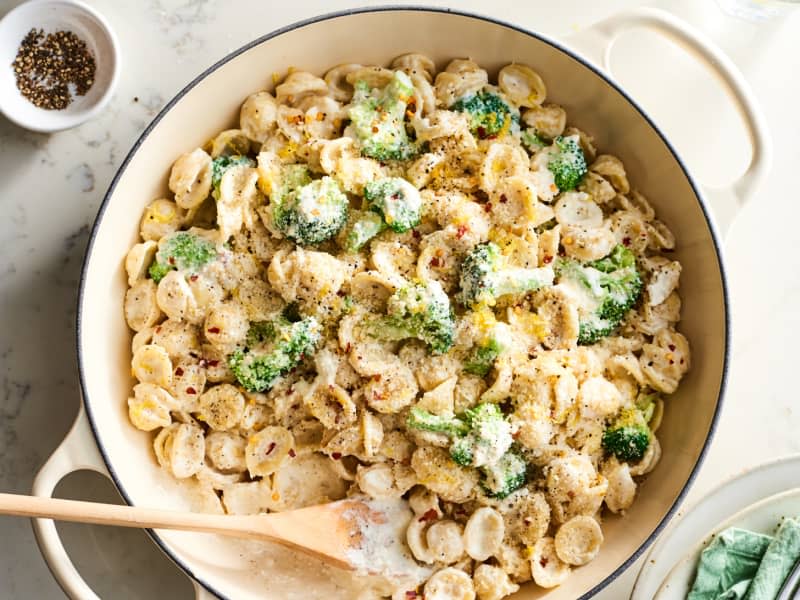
(51, 16)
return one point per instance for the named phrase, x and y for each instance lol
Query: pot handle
(77, 452)
(596, 43)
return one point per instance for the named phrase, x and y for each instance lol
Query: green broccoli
(396, 201)
(377, 119)
(628, 437)
(566, 162)
(505, 476)
(290, 179)
(360, 228)
(487, 350)
(311, 213)
(221, 164)
(485, 277)
(257, 369)
(182, 251)
(489, 115)
(480, 436)
(532, 140)
(419, 311)
(425, 421)
(610, 287)
(646, 403)
(262, 332)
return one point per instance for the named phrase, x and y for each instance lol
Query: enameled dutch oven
(104, 440)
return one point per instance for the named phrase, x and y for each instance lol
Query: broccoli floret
(377, 119)
(505, 476)
(566, 162)
(480, 436)
(419, 311)
(221, 164)
(532, 140)
(628, 437)
(257, 369)
(290, 179)
(611, 287)
(489, 115)
(396, 201)
(262, 332)
(360, 228)
(182, 251)
(493, 344)
(425, 421)
(312, 213)
(485, 276)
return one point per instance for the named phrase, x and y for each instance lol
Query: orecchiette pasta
(484, 533)
(578, 540)
(547, 568)
(402, 283)
(449, 584)
(492, 583)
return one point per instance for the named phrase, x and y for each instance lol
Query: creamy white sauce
(382, 553)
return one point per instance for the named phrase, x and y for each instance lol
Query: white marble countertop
(51, 187)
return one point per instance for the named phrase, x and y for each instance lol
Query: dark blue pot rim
(696, 189)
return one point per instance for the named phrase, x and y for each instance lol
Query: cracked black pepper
(51, 69)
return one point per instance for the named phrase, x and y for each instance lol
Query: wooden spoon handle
(129, 516)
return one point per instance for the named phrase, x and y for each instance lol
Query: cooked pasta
(397, 282)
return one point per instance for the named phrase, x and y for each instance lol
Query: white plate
(752, 500)
(762, 517)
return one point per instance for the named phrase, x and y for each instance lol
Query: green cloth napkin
(728, 564)
(777, 563)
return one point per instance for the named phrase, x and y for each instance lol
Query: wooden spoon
(342, 534)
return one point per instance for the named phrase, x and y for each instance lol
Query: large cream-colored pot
(211, 103)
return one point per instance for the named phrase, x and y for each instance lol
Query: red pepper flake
(491, 137)
(561, 252)
(191, 390)
(487, 207)
(341, 293)
(411, 595)
(515, 435)
(212, 363)
(503, 198)
(672, 362)
(292, 453)
(672, 347)
(682, 361)
(435, 262)
(348, 348)
(158, 329)
(527, 520)
(626, 241)
(481, 132)
(179, 372)
(571, 494)
(374, 129)
(416, 234)
(270, 448)
(376, 377)
(543, 561)
(336, 455)
(171, 260)
(290, 391)
(193, 278)
(213, 330)
(547, 259)
(462, 229)
(429, 515)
